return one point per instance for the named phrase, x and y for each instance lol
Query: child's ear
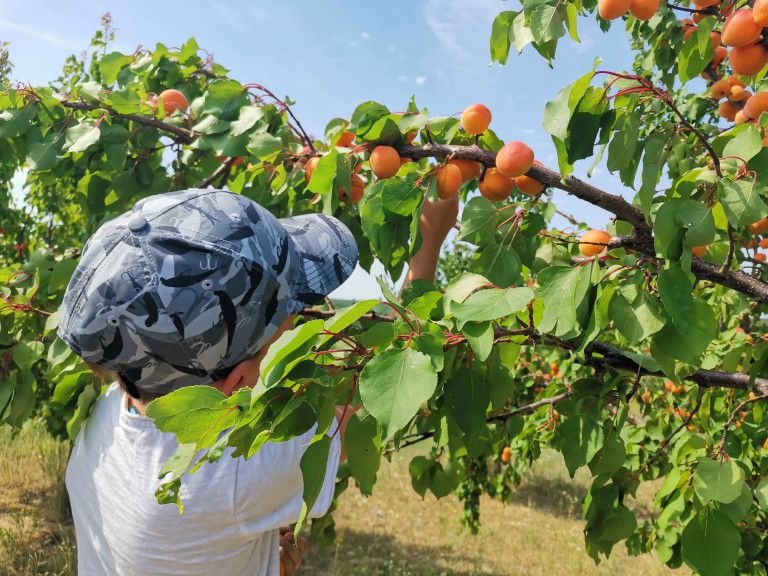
(238, 378)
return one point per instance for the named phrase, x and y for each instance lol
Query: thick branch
(182, 134)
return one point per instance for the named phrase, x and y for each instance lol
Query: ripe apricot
(759, 227)
(737, 93)
(721, 53)
(760, 12)
(756, 105)
(476, 118)
(716, 38)
(699, 250)
(727, 110)
(236, 162)
(448, 181)
(739, 117)
(506, 454)
(345, 139)
(528, 185)
(411, 136)
(748, 60)
(699, 16)
(514, 159)
(495, 186)
(669, 385)
(310, 167)
(740, 29)
(760, 256)
(173, 100)
(385, 161)
(612, 9)
(646, 397)
(705, 3)
(592, 242)
(469, 169)
(688, 31)
(733, 80)
(644, 9)
(356, 192)
(763, 243)
(720, 89)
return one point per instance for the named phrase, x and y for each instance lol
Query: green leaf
(688, 345)
(467, 397)
(741, 202)
(675, 291)
(711, 543)
(224, 99)
(564, 289)
(247, 119)
(362, 442)
(291, 346)
(491, 304)
(500, 42)
(580, 439)
(400, 199)
(745, 145)
(479, 221)
(111, 64)
(264, 146)
(345, 317)
(480, 338)
(719, 481)
(636, 321)
(394, 385)
(81, 136)
(691, 62)
(85, 401)
(313, 465)
(44, 154)
(16, 121)
(26, 353)
(546, 22)
(197, 413)
(499, 263)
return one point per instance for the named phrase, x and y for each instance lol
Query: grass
(36, 533)
(392, 533)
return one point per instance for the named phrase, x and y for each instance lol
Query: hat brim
(328, 254)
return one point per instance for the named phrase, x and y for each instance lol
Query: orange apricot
(476, 118)
(173, 100)
(448, 181)
(733, 80)
(720, 89)
(310, 167)
(345, 139)
(592, 242)
(759, 227)
(748, 60)
(721, 53)
(756, 105)
(385, 161)
(760, 257)
(612, 9)
(740, 29)
(728, 110)
(528, 185)
(763, 243)
(356, 192)
(469, 169)
(716, 38)
(506, 454)
(760, 12)
(644, 9)
(699, 250)
(514, 159)
(688, 31)
(495, 186)
(739, 118)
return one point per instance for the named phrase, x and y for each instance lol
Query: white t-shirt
(232, 508)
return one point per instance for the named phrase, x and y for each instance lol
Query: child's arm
(437, 219)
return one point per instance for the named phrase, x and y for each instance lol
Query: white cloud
(420, 80)
(365, 35)
(41, 35)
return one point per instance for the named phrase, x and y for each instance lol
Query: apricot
(592, 242)
(173, 100)
(644, 9)
(448, 181)
(345, 139)
(506, 454)
(759, 227)
(739, 117)
(756, 105)
(476, 118)
(699, 250)
(514, 159)
(760, 256)
(528, 185)
(737, 93)
(763, 243)
(385, 162)
(411, 136)
(699, 16)
(733, 80)
(721, 53)
(716, 38)
(310, 167)
(740, 29)
(495, 186)
(688, 31)
(728, 110)
(669, 385)
(612, 9)
(720, 89)
(469, 169)
(748, 60)
(760, 12)
(705, 3)
(356, 192)
(646, 397)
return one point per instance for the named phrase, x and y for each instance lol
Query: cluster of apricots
(496, 183)
(640, 9)
(677, 390)
(759, 228)
(506, 454)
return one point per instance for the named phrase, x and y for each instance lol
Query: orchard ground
(539, 533)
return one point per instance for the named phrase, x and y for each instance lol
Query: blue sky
(330, 56)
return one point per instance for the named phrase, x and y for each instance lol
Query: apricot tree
(643, 360)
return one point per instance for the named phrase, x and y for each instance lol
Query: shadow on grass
(367, 553)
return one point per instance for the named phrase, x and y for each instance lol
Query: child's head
(188, 284)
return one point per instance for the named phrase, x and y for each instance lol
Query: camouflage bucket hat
(188, 284)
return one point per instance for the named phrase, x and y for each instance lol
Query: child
(188, 288)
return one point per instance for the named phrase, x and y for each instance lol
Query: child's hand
(291, 552)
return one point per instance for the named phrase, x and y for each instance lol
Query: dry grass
(393, 533)
(36, 533)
